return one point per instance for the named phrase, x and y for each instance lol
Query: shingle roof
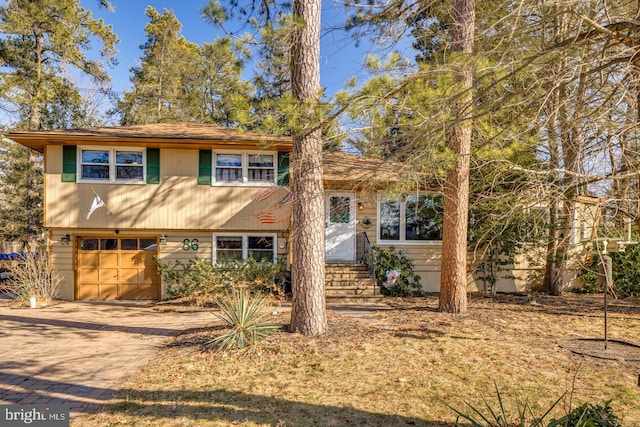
(344, 167)
(161, 132)
(338, 167)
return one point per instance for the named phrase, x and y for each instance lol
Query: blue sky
(340, 59)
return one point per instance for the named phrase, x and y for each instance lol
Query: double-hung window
(249, 168)
(410, 218)
(232, 246)
(112, 164)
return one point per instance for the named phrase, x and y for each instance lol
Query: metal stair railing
(368, 258)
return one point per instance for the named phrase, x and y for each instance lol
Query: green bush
(200, 278)
(244, 313)
(388, 259)
(589, 415)
(586, 415)
(497, 416)
(626, 273)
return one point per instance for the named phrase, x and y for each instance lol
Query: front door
(340, 234)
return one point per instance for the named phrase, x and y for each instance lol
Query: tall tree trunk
(35, 117)
(453, 282)
(308, 308)
(565, 146)
(554, 264)
(160, 81)
(35, 109)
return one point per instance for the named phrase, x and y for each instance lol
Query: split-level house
(115, 197)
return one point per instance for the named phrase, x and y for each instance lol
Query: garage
(119, 268)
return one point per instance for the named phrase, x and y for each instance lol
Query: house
(176, 191)
(115, 197)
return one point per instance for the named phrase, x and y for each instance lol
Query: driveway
(78, 354)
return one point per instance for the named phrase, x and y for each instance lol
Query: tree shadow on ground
(571, 305)
(234, 407)
(37, 322)
(33, 389)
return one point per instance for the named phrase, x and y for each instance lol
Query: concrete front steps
(350, 283)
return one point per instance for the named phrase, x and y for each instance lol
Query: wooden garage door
(116, 268)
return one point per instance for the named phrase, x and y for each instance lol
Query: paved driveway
(79, 353)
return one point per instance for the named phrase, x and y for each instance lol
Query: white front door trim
(340, 232)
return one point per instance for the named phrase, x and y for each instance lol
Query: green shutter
(69, 163)
(283, 168)
(204, 167)
(153, 166)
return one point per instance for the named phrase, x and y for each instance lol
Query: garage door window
(111, 244)
(89, 244)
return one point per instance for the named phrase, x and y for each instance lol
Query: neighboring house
(184, 190)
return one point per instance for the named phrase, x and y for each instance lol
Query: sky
(340, 58)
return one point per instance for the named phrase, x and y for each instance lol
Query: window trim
(245, 244)
(403, 222)
(112, 165)
(245, 169)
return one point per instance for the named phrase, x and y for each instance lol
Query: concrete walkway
(78, 354)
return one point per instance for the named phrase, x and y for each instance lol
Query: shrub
(590, 415)
(586, 415)
(196, 277)
(498, 417)
(202, 280)
(33, 276)
(257, 276)
(388, 259)
(244, 314)
(626, 273)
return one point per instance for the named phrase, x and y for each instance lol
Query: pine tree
(179, 80)
(157, 82)
(20, 205)
(42, 39)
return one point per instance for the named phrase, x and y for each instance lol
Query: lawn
(395, 367)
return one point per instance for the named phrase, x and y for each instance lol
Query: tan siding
(63, 255)
(369, 211)
(426, 261)
(177, 203)
(173, 251)
(62, 261)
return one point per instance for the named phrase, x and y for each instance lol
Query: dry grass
(391, 367)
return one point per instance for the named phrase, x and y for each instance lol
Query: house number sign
(190, 245)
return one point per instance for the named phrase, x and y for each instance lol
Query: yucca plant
(244, 314)
(497, 417)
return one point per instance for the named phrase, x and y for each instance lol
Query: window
(340, 209)
(229, 247)
(112, 165)
(228, 167)
(236, 168)
(111, 244)
(410, 218)
(261, 168)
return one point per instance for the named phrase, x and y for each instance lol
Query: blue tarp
(16, 256)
